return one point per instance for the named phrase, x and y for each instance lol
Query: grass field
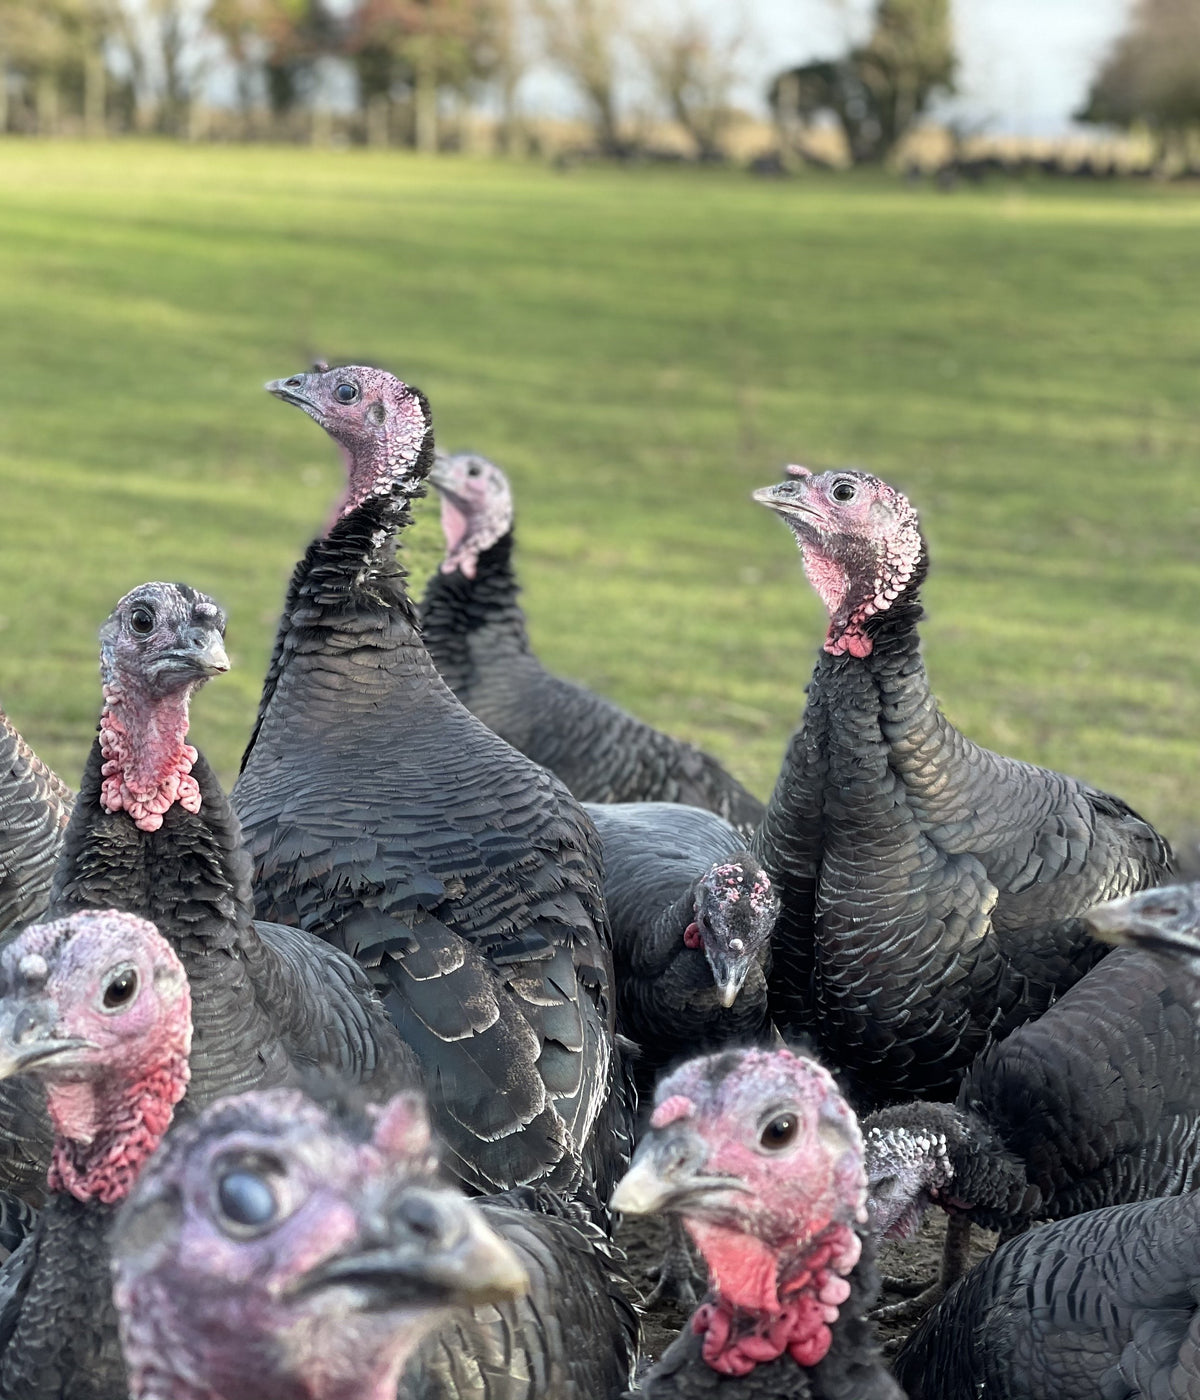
(640, 349)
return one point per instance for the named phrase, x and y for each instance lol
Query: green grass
(640, 349)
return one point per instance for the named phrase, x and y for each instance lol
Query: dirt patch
(916, 1261)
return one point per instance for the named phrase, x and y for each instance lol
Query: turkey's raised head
(861, 541)
(762, 1158)
(280, 1247)
(97, 1006)
(160, 644)
(382, 425)
(477, 507)
(1165, 920)
(736, 909)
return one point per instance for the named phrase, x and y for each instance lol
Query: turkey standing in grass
(932, 891)
(385, 817)
(97, 1007)
(281, 1248)
(475, 631)
(762, 1158)
(34, 807)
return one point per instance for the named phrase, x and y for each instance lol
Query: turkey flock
(352, 1083)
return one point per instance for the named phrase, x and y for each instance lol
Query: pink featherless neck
(104, 1134)
(147, 763)
(766, 1305)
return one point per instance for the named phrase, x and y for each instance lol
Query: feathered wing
(1101, 1304)
(34, 807)
(573, 1336)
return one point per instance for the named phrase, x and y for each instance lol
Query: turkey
(762, 1157)
(932, 892)
(286, 1248)
(34, 806)
(385, 817)
(1101, 1305)
(97, 1007)
(1095, 1103)
(475, 631)
(691, 913)
(153, 832)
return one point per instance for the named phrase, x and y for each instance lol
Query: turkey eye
(346, 393)
(246, 1198)
(142, 621)
(843, 491)
(779, 1131)
(121, 990)
(473, 469)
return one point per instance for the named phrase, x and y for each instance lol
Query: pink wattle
(691, 936)
(757, 1316)
(144, 774)
(105, 1166)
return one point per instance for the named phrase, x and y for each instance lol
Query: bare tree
(693, 70)
(1152, 74)
(581, 37)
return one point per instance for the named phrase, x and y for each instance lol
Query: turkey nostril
(294, 382)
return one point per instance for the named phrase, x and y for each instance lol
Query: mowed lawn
(640, 349)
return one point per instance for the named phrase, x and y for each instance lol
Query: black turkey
(1095, 1103)
(1102, 1305)
(34, 806)
(385, 817)
(280, 1247)
(762, 1158)
(96, 1006)
(932, 891)
(153, 832)
(475, 631)
(691, 913)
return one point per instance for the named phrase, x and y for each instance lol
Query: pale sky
(1024, 64)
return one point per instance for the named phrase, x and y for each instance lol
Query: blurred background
(643, 253)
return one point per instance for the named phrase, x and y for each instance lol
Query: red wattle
(691, 936)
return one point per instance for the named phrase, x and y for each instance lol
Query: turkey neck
(347, 606)
(467, 622)
(191, 878)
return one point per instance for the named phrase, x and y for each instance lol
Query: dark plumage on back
(386, 818)
(932, 892)
(762, 1158)
(280, 1249)
(475, 631)
(153, 832)
(691, 912)
(34, 806)
(1103, 1304)
(96, 1006)
(1095, 1103)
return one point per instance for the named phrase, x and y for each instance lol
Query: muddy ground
(917, 1260)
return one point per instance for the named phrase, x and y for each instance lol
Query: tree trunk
(378, 120)
(425, 99)
(94, 88)
(46, 102)
(321, 130)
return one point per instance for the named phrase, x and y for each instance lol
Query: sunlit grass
(640, 349)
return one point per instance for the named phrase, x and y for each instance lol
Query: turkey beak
(295, 390)
(434, 1247)
(788, 498)
(200, 651)
(27, 1039)
(729, 973)
(1160, 920)
(667, 1175)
